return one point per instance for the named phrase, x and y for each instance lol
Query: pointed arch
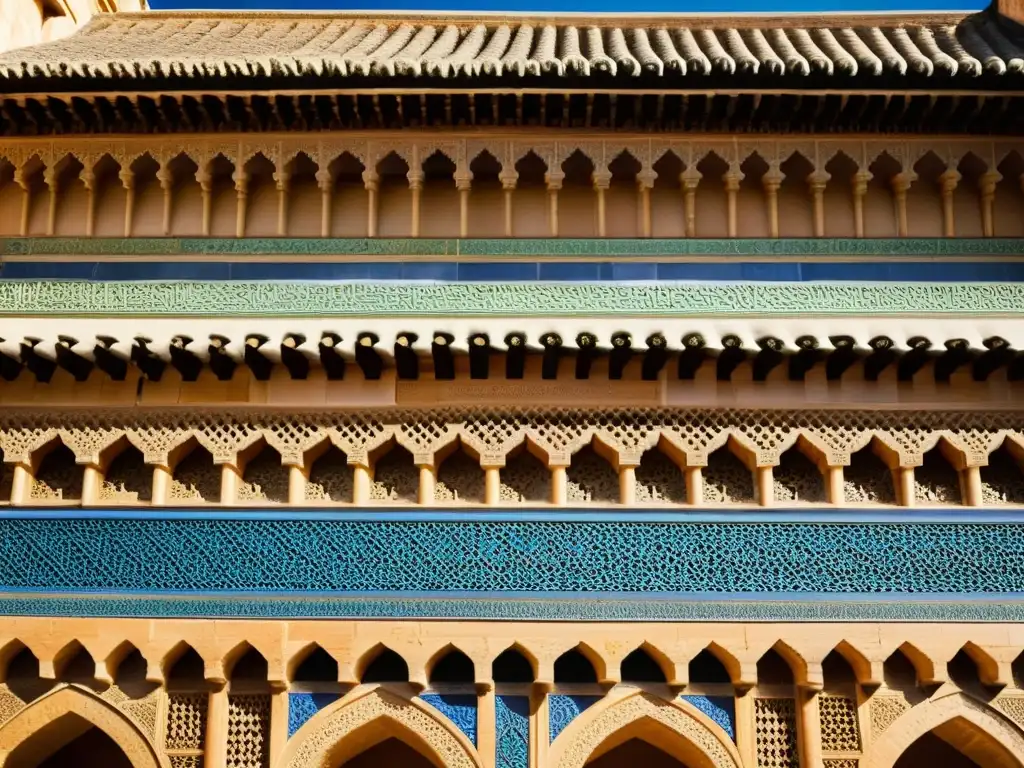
(66, 702)
(369, 716)
(976, 730)
(674, 726)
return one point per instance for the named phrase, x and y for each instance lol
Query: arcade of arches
(298, 694)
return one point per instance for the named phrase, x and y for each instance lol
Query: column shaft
(160, 493)
(428, 478)
(215, 751)
(694, 486)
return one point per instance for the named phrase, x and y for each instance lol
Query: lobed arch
(659, 657)
(32, 731)
(443, 653)
(975, 729)
(517, 648)
(672, 725)
(368, 716)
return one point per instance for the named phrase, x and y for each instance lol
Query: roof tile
(186, 45)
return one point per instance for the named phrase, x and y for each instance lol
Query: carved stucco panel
(316, 744)
(930, 714)
(577, 742)
(61, 701)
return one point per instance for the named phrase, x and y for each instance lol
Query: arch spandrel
(367, 717)
(68, 700)
(978, 731)
(674, 726)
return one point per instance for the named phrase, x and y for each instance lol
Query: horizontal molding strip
(959, 515)
(537, 247)
(76, 298)
(632, 608)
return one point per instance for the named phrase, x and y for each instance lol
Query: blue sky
(592, 6)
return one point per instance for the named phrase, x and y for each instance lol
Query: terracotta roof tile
(160, 45)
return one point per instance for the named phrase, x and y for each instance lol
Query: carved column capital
(554, 179)
(509, 179)
(902, 182)
(415, 177)
(948, 180)
(772, 179)
(205, 180)
(987, 183)
(241, 179)
(860, 182)
(463, 180)
(817, 180)
(646, 178)
(88, 177)
(602, 179)
(732, 179)
(166, 177)
(21, 179)
(371, 180)
(127, 176)
(325, 179)
(282, 179)
(691, 177)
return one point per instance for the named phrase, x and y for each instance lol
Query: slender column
(128, 182)
(50, 177)
(21, 485)
(694, 486)
(816, 182)
(746, 732)
(765, 486)
(539, 727)
(860, 191)
(415, 177)
(428, 479)
(282, 179)
(92, 479)
(809, 730)
(905, 491)
(166, 179)
(987, 189)
(508, 186)
(230, 477)
(947, 185)
(241, 179)
(972, 486)
(627, 486)
(21, 179)
(216, 746)
(492, 486)
(835, 485)
(771, 182)
(559, 486)
(463, 183)
(361, 482)
(278, 721)
(296, 485)
(372, 183)
(689, 179)
(205, 179)
(602, 180)
(88, 177)
(732, 179)
(486, 725)
(325, 181)
(161, 490)
(644, 184)
(900, 186)
(554, 180)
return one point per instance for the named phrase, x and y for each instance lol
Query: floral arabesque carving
(90, 707)
(575, 745)
(982, 719)
(321, 742)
